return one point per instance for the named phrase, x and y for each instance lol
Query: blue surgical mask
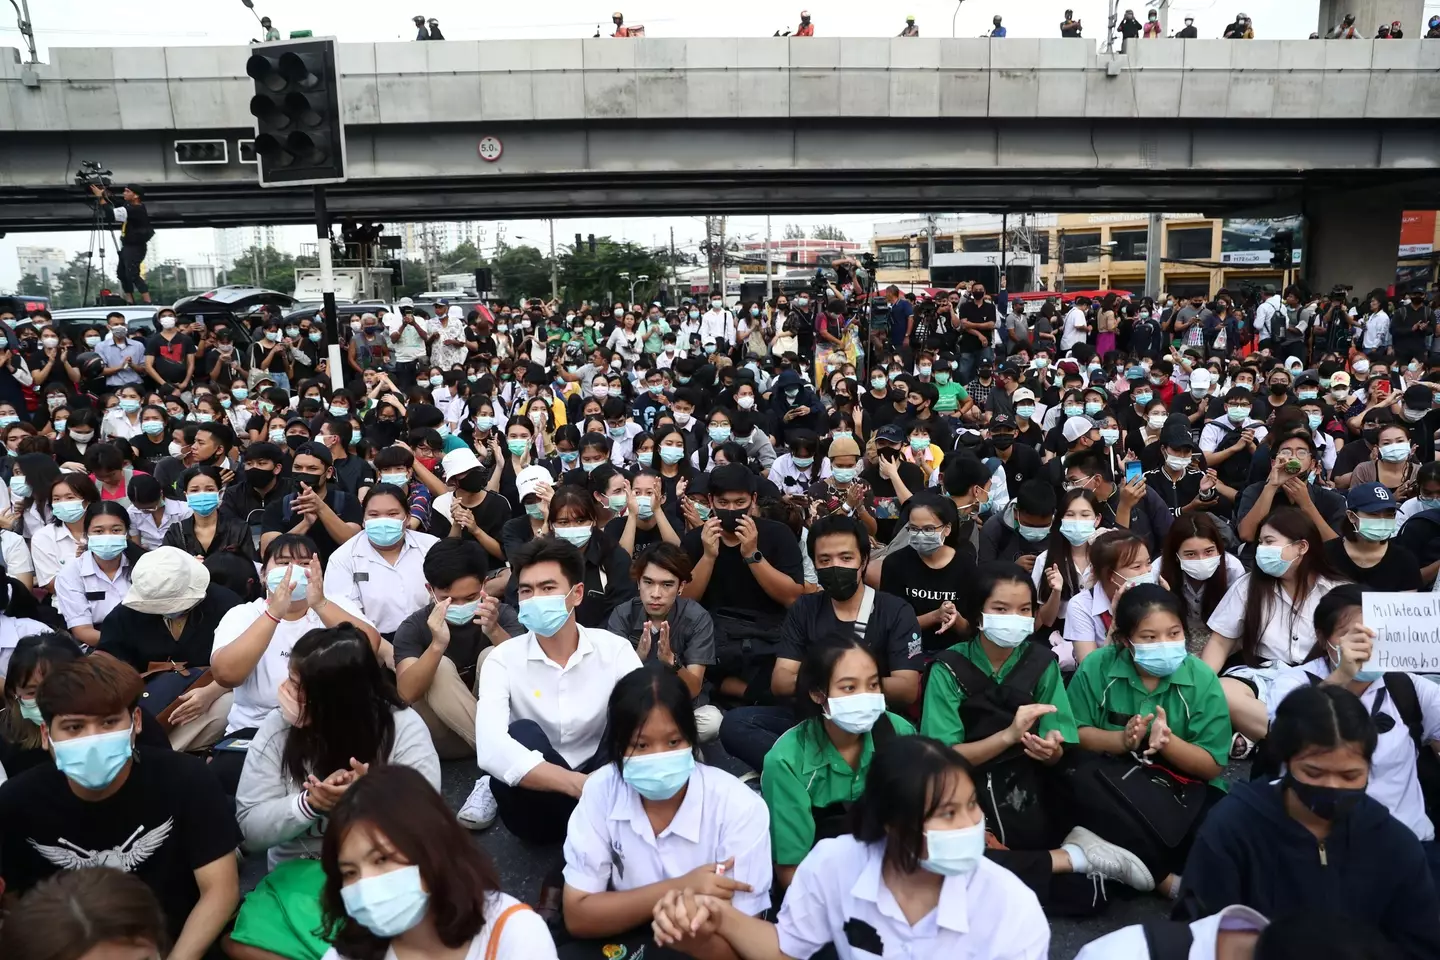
(702, 511)
(338, 411)
(1141, 398)
(203, 503)
(459, 613)
(67, 511)
(437, 381)
(1110, 435)
(400, 480)
(384, 531)
(1376, 528)
(19, 487)
(1429, 504)
(107, 546)
(645, 507)
(280, 574)
(590, 466)
(544, 615)
(1269, 560)
(672, 454)
(240, 393)
(719, 434)
(856, 713)
(31, 712)
(955, 853)
(1160, 659)
(659, 776)
(387, 904)
(484, 423)
(844, 474)
(1033, 534)
(617, 502)
(1092, 409)
(1314, 420)
(578, 536)
(803, 463)
(94, 761)
(645, 459)
(1006, 629)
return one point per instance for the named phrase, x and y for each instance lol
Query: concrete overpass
(597, 127)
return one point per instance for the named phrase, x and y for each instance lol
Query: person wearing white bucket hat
(164, 628)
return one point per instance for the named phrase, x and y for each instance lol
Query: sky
(71, 23)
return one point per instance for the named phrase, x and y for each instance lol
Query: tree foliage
(521, 272)
(276, 270)
(596, 277)
(70, 288)
(826, 231)
(32, 286)
(793, 231)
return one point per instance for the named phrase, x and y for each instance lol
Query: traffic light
(1281, 246)
(299, 127)
(482, 281)
(193, 152)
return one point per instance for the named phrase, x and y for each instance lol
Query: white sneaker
(1112, 862)
(480, 808)
(1241, 747)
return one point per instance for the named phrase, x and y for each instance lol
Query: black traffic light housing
(1281, 247)
(299, 120)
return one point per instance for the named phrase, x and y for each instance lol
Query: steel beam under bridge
(427, 172)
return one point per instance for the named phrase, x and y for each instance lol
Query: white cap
(1200, 379)
(530, 478)
(1077, 427)
(458, 461)
(167, 581)
(1024, 393)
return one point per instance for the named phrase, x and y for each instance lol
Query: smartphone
(1133, 470)
(1382, 388)
(233, 744)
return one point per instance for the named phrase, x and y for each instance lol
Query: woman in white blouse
(1265, 621)
(623, 339)
(62, 539)
(123, 419)
(653, 821)
(1117, 558)
(920, 835)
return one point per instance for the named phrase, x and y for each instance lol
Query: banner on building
(1417, 233)
(1249, 242)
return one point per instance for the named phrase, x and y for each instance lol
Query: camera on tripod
(91, 174)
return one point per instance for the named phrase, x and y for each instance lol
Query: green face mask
(517, 448)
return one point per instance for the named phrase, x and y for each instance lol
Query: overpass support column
(1370, 14)
(1352, 239)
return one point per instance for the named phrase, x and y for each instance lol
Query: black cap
(1009, 370)
(890, 433)
(1176, 434)
(1003, 421)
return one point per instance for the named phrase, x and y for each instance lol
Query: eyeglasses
(922, 530)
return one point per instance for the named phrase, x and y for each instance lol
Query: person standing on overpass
(618, 19)
(910, 29)
(806, 28)
(1070, 27)
(997, 30)
(1153, 30)
(1187, 32)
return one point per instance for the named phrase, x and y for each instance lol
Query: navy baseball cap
(1370, 498)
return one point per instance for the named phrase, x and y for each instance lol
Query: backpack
(1167, 939)
(833, 820)
(1421, 536)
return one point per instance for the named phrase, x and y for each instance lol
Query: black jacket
(1371, 867)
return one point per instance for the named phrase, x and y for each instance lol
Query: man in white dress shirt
(541, 710)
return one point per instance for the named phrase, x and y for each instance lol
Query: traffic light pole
(327, 288)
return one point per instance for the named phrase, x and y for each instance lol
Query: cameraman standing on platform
(135, 233)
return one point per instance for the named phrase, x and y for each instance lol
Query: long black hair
(1263, 593)
(1324, 716)
(347, 702)
(1060, 552)
(1201, 526)
(818, 667)
(905, 786)
(32, 652)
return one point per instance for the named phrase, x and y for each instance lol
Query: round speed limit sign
(490, 149)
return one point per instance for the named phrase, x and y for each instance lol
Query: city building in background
(43, 263)
(1106, 251)
(232, 243)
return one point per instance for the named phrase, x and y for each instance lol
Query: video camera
(91, 174)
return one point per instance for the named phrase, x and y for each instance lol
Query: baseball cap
(458, 461)
(1003, 421)
(1200, 380)
(528, 479)
(1076, 427)
(1370, 498)
(1176, 434)
(890, 433)
(1339, 378)
(1024, 393)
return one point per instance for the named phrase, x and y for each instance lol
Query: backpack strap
(1167, 939)
(1402, 693)
(493, 947)
(969, 678)
(1034, 661)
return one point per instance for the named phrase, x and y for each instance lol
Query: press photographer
(135, 233)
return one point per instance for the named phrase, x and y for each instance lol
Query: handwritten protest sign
(1407, 631)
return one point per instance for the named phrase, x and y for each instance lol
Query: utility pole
(710, 251)
(554, 266)
(674, 278)
(27, 30)
(769, 274)
(1154, 237)
(723, 271)
(929, 249)
(327, 289)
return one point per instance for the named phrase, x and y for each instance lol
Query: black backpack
(989, 707)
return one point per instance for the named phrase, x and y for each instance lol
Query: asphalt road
(523, 866)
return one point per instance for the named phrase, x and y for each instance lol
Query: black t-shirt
(170, 355)
(491, 516)
(1175, 493)
(904, 574)
(1023, 464)
(891, 633)
(516, 532)
(169, 819)
(886, 504)
(972, 312)
(643, 537)
(1354, 453)
(1398, 569)
(140, 639)
(412, 638)
(731, 582)
(345, 505)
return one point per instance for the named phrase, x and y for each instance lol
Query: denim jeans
(966, 363)
(748, 733)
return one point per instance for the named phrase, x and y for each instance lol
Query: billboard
(1417, 233)
(1247, 242)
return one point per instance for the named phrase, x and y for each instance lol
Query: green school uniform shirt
(1107, 683)
(941, 716)
(804, 771)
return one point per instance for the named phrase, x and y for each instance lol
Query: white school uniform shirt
(988, 915)
(12, 631)
(16, 554)
(152, 534)
(1393, 780)
(85, 593)
(610, 845)
(51, 548)
(1287, 633)
(524, 935)
(1072, 330)
(386, 594)
(623, 448)
(784, 469)
(1214, 431)
(259, 694)
(1128, 943)
(117, 423)
(455, 409)
(519, 682)
(1083, 616)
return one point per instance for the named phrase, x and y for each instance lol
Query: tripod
(99, 226)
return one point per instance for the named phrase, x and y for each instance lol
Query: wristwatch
(755, 557)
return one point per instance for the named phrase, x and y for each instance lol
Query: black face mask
(1371, 436)
(309, 481)
(258, 478)
(296, 440)
(729, 519)
(1002, 443)
(839, 583)
(472, 482)
(1327, 803)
